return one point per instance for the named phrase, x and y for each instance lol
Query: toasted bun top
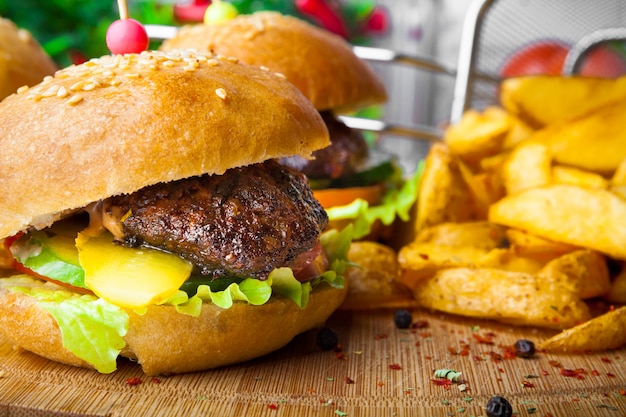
(119, 123)
(22, 61)
(321, 64)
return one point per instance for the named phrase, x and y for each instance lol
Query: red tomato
(543, 57)
(604, 62)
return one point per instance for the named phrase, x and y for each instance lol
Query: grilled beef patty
(245, 222)
(348, 151)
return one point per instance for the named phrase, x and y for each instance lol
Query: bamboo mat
(380, 371)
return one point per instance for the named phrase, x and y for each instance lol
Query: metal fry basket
(494, 29)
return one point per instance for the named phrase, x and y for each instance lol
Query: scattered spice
(273, 406)
(449, 374)
(524, 348)
(574, 373)
(527, 384)
(327, 338)
(155, 380)
(349, 380)
(395, 366)
(402, 318)
(132, 381)
(341, 413)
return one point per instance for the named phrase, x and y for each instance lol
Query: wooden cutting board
(380, 371)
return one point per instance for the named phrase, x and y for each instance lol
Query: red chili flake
(501, 370)
(446, 383)
(595, 373)
(486, 340)
(424, 256)
(272, 406)
(381, 336)
(155, 380)
(555, 319)
(574, 373)
(555, 363)
(606, 360)
(380, 383)
(349, 380)
(527, 384)
(425, 335)
(395, 366)
(339, 355)
(419, 324)
(428, 357)
(509, 352)
(312, 391)
(622, 392)
(610, 375)
(452, 350)
(544, 372)
(133, 381)
(477, 358)
(548, 414)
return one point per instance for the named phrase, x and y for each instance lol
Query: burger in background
(139, 223)
(355, 182)
(22, 60)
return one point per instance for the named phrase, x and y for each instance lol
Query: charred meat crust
(245, 222)
(347, 152)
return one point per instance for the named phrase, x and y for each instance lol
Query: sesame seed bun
(321, 64)
(22, 60)
(116, 124)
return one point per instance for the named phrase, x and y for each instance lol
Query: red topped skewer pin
(126, 35)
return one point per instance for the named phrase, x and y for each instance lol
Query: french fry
(585, 268)
(443, 196)
(587, 217)
(604, 332)
(595, 143)
(569, 175)
(544, 100)
(511, 297)
(528, 166)
(478, 134)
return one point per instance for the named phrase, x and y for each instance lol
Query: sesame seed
(50, 92)
(221, 93)
(77, 98)
(36, 97)
(23, 89)
(89, 87)
(133, 75)
(62, 93)
(213, 62)
(280, 75)
(264, 68)
(77, 86)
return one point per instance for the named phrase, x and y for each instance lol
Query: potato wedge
(587, 217)
(604, 332)
(443, 196)
(545, 100)
(617, 292)
(585, 267)
(569, 175)
(478, 134)
(421, 261)
(528, 166)
(528, 245)
(477, 234)
(511, 297)
(594, 143)
(373, 280)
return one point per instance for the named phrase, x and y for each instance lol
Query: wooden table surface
(379, 371)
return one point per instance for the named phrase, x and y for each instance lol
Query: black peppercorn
(402, 318)
(524, 348)
(499, 407)
(327, 338)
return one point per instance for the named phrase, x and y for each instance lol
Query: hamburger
(22, 60)
(325, 69)
(144, 214)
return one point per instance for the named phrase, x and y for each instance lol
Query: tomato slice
(332, 197)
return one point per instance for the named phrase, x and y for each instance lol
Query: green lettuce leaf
(397, 202)
(91, 328)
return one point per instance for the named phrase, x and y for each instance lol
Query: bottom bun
(163, 341)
